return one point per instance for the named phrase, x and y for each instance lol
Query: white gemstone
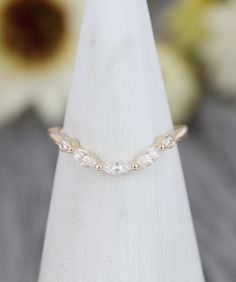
(56, 134)
(148, 157)
(65, 145)
(169, 141)
(85, 158)
(60, 139)
(117, 167)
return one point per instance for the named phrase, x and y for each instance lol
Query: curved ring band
(146, 158)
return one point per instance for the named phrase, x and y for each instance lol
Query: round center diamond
(169, 141)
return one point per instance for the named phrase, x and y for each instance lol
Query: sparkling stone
(169, 141)
(117, 167)
(65, 146)
(61, 139)
(148, 157)
(85, 158)
(56, 134)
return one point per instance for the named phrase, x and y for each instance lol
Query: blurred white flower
(219, 50)
(38, 41)
(181, 83)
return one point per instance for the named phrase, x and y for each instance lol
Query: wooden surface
(27, 163)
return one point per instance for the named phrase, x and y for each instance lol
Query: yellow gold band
(85, 158)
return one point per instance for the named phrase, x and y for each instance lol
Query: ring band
(68, 144)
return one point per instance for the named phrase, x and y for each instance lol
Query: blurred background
(196, 42)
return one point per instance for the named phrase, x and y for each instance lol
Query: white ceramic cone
(132, 228)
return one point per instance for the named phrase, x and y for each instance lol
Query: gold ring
(85, 158)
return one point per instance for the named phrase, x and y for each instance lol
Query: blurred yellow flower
(38, 40)
(180, 81)
(218, 51)
(183, 20)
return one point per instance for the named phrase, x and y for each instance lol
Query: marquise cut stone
(85, 158)
(148, 157)
(56, 134)
(65, 145)
(64, 142)
(117, 167)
